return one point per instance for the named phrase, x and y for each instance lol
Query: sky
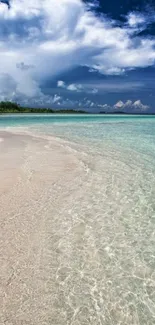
(91, 55)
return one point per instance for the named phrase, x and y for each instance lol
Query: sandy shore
(73, 236)
(36, 182)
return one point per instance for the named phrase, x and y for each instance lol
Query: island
(11, 107)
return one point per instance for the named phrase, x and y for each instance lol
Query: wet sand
(39, 180)
(67, 255)
(35, 180)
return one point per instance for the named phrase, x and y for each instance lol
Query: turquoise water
(133, 130)
(114, 263)
(129, 132)
(16, 119)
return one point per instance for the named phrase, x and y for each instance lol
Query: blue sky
(97, 55)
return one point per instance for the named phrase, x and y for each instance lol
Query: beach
(32, 227)
(77, 231)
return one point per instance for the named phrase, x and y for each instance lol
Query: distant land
(11, 108)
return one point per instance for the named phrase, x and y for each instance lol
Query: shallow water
(103, 227)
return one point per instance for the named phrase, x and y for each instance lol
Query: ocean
(131, 133)
(111, 270)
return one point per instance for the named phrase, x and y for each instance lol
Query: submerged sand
(67, 255)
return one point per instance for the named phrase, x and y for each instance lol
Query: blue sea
(135, 133)
(111, 208)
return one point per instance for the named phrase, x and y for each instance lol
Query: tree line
(11, 107)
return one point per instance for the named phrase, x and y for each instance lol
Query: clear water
(114, 269)
(130, 132)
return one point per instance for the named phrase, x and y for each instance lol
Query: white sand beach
(36, 182)
(72, 234)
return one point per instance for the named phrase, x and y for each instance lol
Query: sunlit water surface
(118, 204)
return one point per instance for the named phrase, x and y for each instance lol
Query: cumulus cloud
(74, 87)
(71, 87)
(61, 84)
(126, 107)
(138, 106)
(10, 91)
(135, 107)
(136, 18)
(41, 101)
(77, 87)
(140, 20)
(119, 104)
(56, 36)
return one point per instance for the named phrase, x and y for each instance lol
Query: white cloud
(135, 107)
(61, 84)
(71, 87)
(56, 36)
(77, 87)
(9, 90)
(74, 87)
(135, 18)
(140, 20)
(119, 104)
(56, 98)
